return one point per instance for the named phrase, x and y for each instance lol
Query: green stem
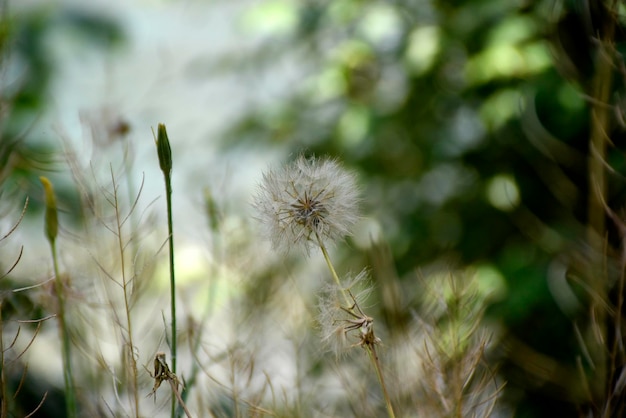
(70, 397)
(164, 151)
(333, 272)
(168, 193)
(168, 188)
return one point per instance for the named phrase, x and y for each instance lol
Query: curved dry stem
(19, 221)
(43, 399)
(179, 398)
(15, 263)
(32, 339)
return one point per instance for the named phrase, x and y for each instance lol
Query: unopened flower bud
(164, 150)
(51, 217)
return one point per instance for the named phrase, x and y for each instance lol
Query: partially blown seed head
(307, 200)
(343, 326)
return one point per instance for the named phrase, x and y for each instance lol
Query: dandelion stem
(333, 272)
(371, 350)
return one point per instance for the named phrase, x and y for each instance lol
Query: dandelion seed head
(307, 199)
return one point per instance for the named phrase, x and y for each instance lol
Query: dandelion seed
(307, 200)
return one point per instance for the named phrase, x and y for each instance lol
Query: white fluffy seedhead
(307, 200)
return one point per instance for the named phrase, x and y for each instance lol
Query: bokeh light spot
(353, 125)
(503, 193)
(423, 47)
(271, 18)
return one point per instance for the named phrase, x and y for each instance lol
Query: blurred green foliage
(469, 123)
(27, 70)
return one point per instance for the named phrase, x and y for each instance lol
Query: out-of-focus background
(487, 140)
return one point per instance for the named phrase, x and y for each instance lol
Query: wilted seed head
(307, 199)
(343, 326)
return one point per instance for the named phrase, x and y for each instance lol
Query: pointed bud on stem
(51, 217)
(164, 150)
